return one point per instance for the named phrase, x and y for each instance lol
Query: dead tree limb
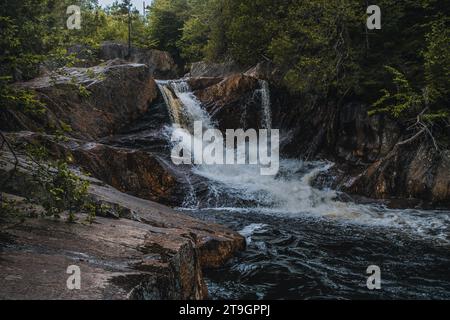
(424, 129)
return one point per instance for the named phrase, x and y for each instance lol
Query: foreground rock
(138, 250)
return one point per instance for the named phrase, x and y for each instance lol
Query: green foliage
(19, 99)
(322, 47)
(194, 40)
(166, 23)
(404, 101)
(8, 207)
(430, 93)
(437, 61)
(61, 190)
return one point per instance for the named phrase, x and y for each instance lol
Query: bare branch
(412, 139)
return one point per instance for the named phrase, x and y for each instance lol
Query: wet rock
(410, 172)
(136, 172)
(142, 174)
(234, 103)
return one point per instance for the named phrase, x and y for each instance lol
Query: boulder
(160, 63)
(94, 102)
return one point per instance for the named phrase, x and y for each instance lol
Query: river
(306, 243)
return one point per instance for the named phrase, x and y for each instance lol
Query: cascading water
(184, 107)
(265, 105)
(292, 225)
(290, 192)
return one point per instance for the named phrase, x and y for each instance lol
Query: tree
(166, 21)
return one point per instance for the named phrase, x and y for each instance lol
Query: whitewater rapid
(290, 193)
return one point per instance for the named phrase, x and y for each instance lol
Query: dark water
(295, 258)
(303, 243)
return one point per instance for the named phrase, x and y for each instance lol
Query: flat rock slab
(159, 255)
(138, 250)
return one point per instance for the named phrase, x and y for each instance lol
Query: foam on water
(290, 192)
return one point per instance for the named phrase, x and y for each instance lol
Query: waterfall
(183, 105)
(290, 192)
(265, 105)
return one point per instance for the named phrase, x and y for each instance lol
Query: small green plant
(400, 103)
(61, 189)
(406, 102)
(8, 207)
(19, 99)
(90, 73)
(83, 91)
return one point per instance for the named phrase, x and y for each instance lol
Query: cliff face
(409, 172)
(97, 103)
(94, 102)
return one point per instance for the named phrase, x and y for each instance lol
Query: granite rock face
(408, 172)
(234, 102)
(138, 250)
(94, 102)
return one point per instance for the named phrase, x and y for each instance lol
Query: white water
(265, 104)
(184, 106)
(290, 194)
